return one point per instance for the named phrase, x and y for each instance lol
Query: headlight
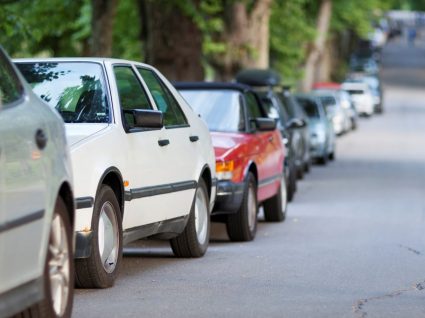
(224, 169)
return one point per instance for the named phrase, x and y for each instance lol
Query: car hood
(78, 132)
(224, 142)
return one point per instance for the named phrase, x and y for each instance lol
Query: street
(353, 243)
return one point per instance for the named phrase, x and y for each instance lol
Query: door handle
(40, 139)
(163, 142)
(193, 138)
(271, 139)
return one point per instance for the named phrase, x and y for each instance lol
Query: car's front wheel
(275, 207)
(194, 240)
(242, 225)
(59, 266)
(101, 268)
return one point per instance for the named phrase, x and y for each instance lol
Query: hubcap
(201, 216)
(108, 237)
(252, 208)
(59, 266)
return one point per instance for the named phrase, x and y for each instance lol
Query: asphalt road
(353, 244)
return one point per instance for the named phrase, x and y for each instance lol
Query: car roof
(211, 85)
(326, 85)
(354, 85)
(259, 77)
(102, 60)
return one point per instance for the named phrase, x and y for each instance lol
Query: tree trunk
(246, 36)
(316, 51)
(173, 41)
(103, 13)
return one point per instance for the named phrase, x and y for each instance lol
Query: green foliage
(127, 43)
(291, 29)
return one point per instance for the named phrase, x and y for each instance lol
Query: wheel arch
(207, 177)
(67, 195)
(251, 167)
(113, 178)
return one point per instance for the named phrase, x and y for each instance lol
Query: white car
(143, 161)
(36, 204)
(361, 96)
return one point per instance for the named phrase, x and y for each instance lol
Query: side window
(10, 86)
(254, 108)
(131, 93)
(173, 115)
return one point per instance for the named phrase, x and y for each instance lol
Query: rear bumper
(229, 197)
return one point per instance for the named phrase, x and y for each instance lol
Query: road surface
(353, 244)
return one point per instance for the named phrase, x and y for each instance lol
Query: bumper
(317, 150)
(229, 197)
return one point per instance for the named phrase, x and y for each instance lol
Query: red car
(249, 155)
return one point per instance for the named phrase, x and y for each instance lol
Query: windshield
(220, 109)
(355, 92)
(309, 107)
(76, 90)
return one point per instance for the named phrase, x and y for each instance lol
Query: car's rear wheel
(275, 207)
(59, 266)
(242, 225)
(101, 268)
(194, 240)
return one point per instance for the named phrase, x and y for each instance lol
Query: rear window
(75, 89)
(221, 109)
(355, 92)
(309, 107)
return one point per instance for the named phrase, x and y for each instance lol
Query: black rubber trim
(84, 202)
(9, 225)
(269, 180)
(83, 241)
(158, 190)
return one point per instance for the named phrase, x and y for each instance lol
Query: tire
(100, 271)
(194, 240)
(291, 187)
(332, 156)
(323, 160)
(59, 267)
(242, 225)
(307, 166)
(300, 172)
(275, 207)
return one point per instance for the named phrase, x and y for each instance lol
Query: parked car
(340, 117)
(361, 96)
(36, 204)
(267, 83)
(143, 161)
(249, 155)
(375, 87)
(344, 99)
(322, 138)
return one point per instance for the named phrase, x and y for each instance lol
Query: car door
(23, 187)
(267, 144)
(180, 151)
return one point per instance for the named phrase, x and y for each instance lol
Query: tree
(103, 13)
(318, 46)
(173, 41)
(244, 35)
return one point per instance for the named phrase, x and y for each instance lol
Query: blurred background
(306, 41)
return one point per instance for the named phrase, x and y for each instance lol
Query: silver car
(36, 204)
(322, 135)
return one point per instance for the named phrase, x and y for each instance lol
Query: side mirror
(144, 118)
(265, 124)
(296, 123)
